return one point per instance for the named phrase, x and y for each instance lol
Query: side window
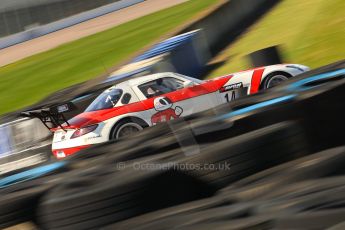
(126, 98)
(160, 86)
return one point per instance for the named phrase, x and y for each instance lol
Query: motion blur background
(20, 15)
(309, 32)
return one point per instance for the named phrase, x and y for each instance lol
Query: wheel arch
(273, 72)
(128, 118)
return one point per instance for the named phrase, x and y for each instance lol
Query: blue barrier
(184, 55)
(30, 174)
(125, 75)
(256, 106)
(301, 85)
(166, 46)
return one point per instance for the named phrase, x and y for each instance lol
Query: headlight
(83, 131)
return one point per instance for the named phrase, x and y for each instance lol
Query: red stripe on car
(94, 117)
(256, 80)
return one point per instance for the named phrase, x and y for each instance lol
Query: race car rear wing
(52, 117)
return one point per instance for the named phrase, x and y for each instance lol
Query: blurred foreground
(267, 161)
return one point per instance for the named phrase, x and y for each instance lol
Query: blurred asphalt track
(52, 40)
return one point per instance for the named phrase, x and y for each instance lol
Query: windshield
(106, 100)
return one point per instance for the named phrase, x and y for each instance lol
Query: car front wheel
(275, 79)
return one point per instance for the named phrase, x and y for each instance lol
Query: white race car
(139, 102)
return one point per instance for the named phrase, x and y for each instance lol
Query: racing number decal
(233, 96)
(230, 91)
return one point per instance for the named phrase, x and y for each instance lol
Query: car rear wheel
(275, 79)
(125, 128)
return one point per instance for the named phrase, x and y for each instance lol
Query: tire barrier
(20, 193)
(284, 150)
(266, 56)
(315, 165)
(103, 197)
(247, 154)
(296, 201)
(18, 205)
(183, 209)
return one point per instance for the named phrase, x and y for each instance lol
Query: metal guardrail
(20, 135)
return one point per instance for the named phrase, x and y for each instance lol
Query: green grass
(310, 32)
(31, 79)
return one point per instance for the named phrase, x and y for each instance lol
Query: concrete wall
(21, 15)
(23, 143)
(7, 5)
(42, 28)
(20, 134)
